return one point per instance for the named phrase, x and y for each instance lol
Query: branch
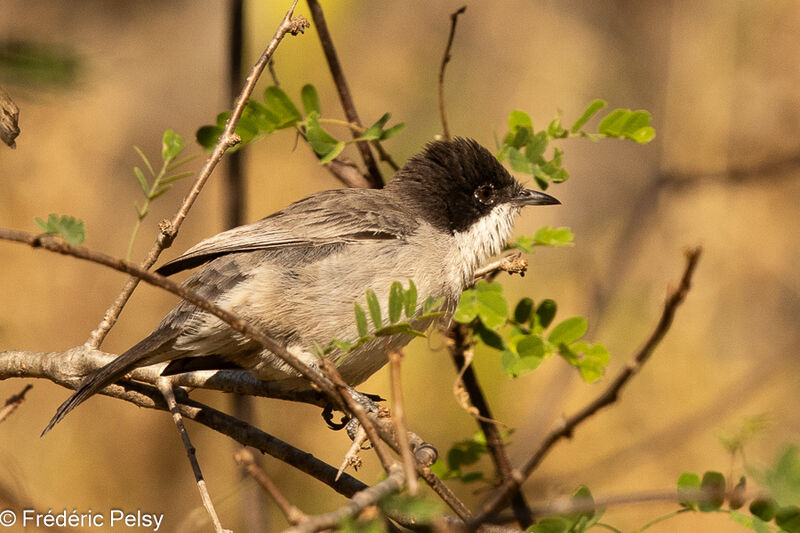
(228, 139)
(606, 398)
(13, 402)
(399, 421)
(360, 501)
(57, 245)
(373, 173)
(445, 61)
(165, 387)
(512, 263)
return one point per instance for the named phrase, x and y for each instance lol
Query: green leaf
(737, 497)
(642, 135)
(545, 313)
(523, 311)
(176, 177)
(158, 192)
(429, 306)
(411, 299)
(519, 162)
(321, 141)
(207, 136)
(782, 480)
(374, 308)
(396, 329)
(614, 122)
(396, 302)
(590, 111)
(171, 145)
(310, 98)
(394, 130)
(568, 331)
(713, 487)
(142, 181)
(592, 360)
(343, 345)
(549, 236)
(70, 228)
(523, 243)
(471, 477)
(555, 130)
(536, 147)
(688, 485)
(788, 518)
(375, 132)
(256, 117)
(519, 119)
(492, 306)
(490, 337)
(280, 104)
(467, 309)
(764, 508)
(361, 320)
(144, 158)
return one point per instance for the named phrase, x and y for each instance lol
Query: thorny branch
(228, 139)
(606, 398)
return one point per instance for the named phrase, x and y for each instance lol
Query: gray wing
(331, 217)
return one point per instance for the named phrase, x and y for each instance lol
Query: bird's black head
(457, 183)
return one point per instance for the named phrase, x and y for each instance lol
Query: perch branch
(399, 421)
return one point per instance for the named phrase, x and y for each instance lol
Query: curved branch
(445, 61)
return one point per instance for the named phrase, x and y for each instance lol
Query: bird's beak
(529, 197)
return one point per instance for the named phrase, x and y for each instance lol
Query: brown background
(721, 79)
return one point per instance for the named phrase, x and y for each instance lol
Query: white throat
(484, 239)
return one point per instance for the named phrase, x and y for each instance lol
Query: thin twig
(169, 229)
(247, 461)
(445, 61)
(512, 263)
(13, 402)
(607, 397)
(373, 173)
(399, 420)
(165, 387)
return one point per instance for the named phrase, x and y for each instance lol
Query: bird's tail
(99, 379)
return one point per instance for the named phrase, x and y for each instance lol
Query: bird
(296, 273)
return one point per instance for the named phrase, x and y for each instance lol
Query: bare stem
(399, 420)
(445, 61)
(165, 387)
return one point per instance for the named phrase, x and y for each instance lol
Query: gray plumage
(296, 273)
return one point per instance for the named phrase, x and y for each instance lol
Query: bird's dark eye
(485, 194)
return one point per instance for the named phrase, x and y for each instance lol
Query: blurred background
(722, 81)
